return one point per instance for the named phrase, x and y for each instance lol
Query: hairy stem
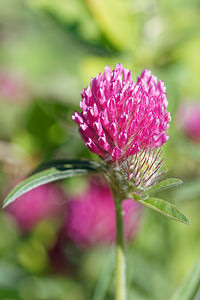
(120, 255)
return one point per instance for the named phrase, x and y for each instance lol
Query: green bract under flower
(136, 174)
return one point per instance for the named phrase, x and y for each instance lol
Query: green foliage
(104, 278)
(189, 190)
(52, 171)
(165, 208)
(189, 289)
(164, 184)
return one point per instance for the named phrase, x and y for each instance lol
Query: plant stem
(120, 255)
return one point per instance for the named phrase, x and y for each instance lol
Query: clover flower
(119, 117)
(91, 217)
(125, 122)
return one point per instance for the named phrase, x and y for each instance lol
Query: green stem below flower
(120, 255)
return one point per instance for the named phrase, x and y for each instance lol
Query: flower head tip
(120, 117)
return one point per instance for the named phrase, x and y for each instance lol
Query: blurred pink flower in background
(91, 217)
(37, 205)
(189, 119)
(12, 86)
(88, 219)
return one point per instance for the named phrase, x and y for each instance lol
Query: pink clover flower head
(41, 203)
(119, 117)
(189, 120)
(91, 217)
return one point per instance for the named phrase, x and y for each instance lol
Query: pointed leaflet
(165, 208)
(64, 164)
(52, 171)
(188, 191)
(164, 184)
(190, 287)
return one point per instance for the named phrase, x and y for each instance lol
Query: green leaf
(52, 171)
(189, 289)
(190, 190)
(164, 184)
(63, 164)
(165, 208)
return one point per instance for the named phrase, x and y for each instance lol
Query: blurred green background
(49, 50)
